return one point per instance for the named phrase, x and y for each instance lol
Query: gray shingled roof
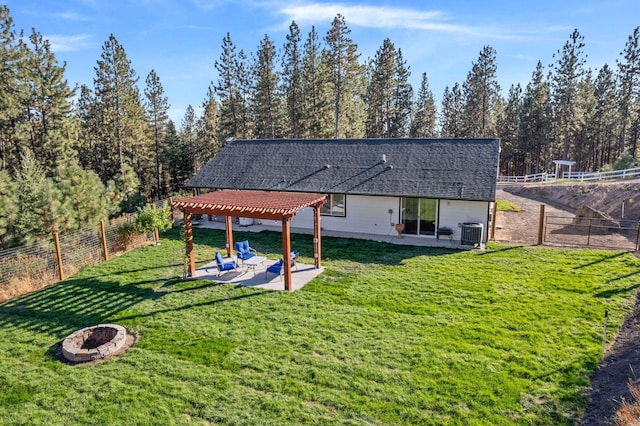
(457, 169)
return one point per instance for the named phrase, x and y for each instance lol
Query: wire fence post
(103, 237)
(541, 225)
(56, 242)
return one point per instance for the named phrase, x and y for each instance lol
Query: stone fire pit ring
(94, 343)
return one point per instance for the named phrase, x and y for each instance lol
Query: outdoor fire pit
(93, 343)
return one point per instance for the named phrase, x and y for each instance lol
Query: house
(433, 187)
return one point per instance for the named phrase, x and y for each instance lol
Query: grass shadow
(614, 291)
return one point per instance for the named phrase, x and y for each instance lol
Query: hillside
(606, 197)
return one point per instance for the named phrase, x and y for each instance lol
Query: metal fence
(597, 233)
(33, 266)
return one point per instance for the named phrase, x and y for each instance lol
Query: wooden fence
(573, 176)
(33, 266)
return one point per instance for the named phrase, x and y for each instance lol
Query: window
(335, 205)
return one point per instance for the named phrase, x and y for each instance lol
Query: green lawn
(506, 206)
(386, 335)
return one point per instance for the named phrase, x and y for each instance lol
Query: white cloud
(73, 16)
(61, 43)
(401, 18)
(373, 16)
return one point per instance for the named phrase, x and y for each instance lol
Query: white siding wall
(365, 214)
(370, 215)
(455, 212)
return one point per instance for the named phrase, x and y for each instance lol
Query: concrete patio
(250, 277)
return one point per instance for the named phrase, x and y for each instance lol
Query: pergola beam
(255, 205)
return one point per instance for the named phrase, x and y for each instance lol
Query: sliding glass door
(419, 215)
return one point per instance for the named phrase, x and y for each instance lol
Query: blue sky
(181, 39)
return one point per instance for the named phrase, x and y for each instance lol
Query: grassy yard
(386, 335)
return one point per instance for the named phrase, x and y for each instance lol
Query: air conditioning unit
(471, 234)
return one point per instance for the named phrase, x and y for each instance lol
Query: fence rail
(572, 176)
(538, 177)
(33, 266)
(598, 233)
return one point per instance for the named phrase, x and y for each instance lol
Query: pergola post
(316, 236)
(286, 251)
(188, 237)
(229, 232)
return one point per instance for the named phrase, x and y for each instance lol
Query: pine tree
(481, 93)
(179, 161)
(292, 82)
(605, 118)
(629, 85)
(207, 132)
(584, 129)
(9, 209)
(423, 124)
(39, 202)
(513, 157)
(189, 137)
(122, 125)
(157, 106)
(10, 63)
(451, 119)
(535, 123)
(347, 79)
(316, 119)
(47, 106)
(567, 72)
(83, 196)
(402, 102)
(266, 101)
(381, 92)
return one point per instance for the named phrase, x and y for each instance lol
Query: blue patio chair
(224, 267)
(243, 251)
(278, 267)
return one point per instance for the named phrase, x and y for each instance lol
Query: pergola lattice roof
(251, 204)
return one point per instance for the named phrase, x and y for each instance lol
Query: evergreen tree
(292, 82)
(481, 95)
(88, 144)
(189, 137)
(423, 124)
(39, 202)
(451, 119)
(234, 91)
(10, 63)
(178, 157)
(157, 106)
(246, 91)
(629, 86)
(403, 95)
(535, 122)
(47, 106)
(604, 119)
(567, 73)
(381, 91)
(207, 134)
(347, 80)
(9, 209)
(512, 157)
(316, 119)
(227, 89)
(83, 196)
(266, 101)
(122, 125)
(584, 128)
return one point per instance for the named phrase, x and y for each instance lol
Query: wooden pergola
(282, 206)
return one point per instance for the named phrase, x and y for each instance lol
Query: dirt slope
(606, 197)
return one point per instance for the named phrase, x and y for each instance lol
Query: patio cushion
(243, 250)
